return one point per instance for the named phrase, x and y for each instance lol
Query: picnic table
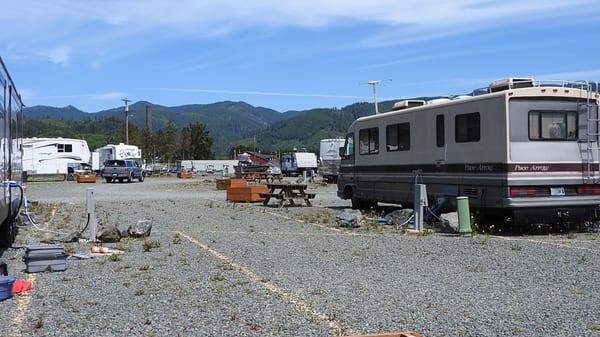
(287, 192)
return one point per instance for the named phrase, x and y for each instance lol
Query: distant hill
(230, 123)
(227, 121)
(43, 111)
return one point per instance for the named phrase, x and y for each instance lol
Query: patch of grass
(123, 245)
(70, 248)
(115, 257)
(176, 239)
(595, 326)
(242, 282)
(144, 267)
(571, 236)
(38, 324)
(591, 236)
(217, 278)
(149, 245)
(139, 292)
(516, 247)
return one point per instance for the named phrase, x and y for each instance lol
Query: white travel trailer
(298, 162)
(522, 150)
(329, 158)
(119, 152)
(49, 156)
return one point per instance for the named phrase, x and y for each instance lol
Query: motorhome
(521, 150)
(297, 162)
(329, 158)
(54, 156)
(119, 152)
(11, 119)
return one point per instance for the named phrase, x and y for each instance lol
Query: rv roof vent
(456, 98)
(408, 103)
(510, 83)
(438, 101)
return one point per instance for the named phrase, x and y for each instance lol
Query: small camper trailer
(329, 158)
(119, 152)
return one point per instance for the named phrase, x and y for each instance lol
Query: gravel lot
(227, 269)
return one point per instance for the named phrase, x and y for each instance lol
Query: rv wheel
(109, 180)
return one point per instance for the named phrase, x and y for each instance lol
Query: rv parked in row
(55, 156)
(296, 163)
(522, 150)
(329, 158)
(118, 152)
(11, 120)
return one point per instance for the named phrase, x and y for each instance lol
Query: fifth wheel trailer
(522, 150)
(53, 156)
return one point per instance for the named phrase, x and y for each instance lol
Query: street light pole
(126, 101)
(374, 84)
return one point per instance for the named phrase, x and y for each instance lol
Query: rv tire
(108, 180)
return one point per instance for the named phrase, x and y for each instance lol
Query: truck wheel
(141, 179)
(130, 179)
(109, 180)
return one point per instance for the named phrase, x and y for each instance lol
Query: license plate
(557, 191)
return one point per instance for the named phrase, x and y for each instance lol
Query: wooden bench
(282, 197)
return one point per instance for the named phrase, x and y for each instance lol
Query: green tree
(166, 143)
(196, 141)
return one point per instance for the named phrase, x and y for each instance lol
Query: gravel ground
(247, 270)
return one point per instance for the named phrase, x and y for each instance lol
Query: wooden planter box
(246, 193)
(184, 175)
(86, 178)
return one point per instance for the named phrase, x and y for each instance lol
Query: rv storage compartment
(6, 284)
(39, 258)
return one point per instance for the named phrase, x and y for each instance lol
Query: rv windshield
(349, 145)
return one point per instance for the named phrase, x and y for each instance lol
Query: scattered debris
(449, 223)
(141, 229)
(40, 258)
(20, 286)
(349, 218)
(99, 251)
(73, 237)
(399, 217)
(109, 234)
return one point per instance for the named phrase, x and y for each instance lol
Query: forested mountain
(229, 123)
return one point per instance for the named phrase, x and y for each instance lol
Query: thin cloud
(256, 93)
(59, 55)
(107, 96)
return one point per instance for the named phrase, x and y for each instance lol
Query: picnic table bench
(287, 192)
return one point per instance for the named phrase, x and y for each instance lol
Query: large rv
(119, 152)
(54, 156)
(520, 149)
(329, 158)
(11, 117)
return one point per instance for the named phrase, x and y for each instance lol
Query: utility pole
(374, 84)
(126, 102)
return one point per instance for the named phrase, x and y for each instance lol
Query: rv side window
(68, 147)
(368, 141)
(349, 146)
(60, 147)
(439, 131)
(398, 137)
(553, 125)
(467, 128)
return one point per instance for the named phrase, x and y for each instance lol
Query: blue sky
(287, 55)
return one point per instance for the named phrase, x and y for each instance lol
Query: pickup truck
(121, 170)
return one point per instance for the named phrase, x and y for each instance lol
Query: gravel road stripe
(301, 304)
(20, 312)
(545, 243)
